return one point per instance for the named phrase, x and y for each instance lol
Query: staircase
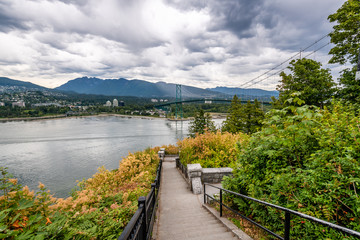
(181, 215)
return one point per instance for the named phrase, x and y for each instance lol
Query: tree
(202, 123)
(350, 88)
(233, 123)
(346, 37)
(314, 84)
(252, 117)
(346, 34)
(247, 119)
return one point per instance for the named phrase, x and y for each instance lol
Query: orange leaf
(16, 224)
(48, 221)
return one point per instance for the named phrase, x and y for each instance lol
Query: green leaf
(25, 203)
(2, 227)
(40, 237)
(15, 218)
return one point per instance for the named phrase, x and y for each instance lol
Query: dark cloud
(9, 22)
(238, 17)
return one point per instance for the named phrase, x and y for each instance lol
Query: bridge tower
(178, 105)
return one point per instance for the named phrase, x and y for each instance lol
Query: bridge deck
(181, 215)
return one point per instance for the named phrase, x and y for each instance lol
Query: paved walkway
(181, 215)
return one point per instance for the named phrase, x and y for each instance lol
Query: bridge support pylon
(178, 103)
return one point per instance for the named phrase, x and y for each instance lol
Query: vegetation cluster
(212, 150)
(100, 208)
(305, 159)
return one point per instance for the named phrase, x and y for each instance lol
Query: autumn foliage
(212, 150)
(99, 209)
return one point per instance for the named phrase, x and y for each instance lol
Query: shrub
(307, 160)
(212, 150)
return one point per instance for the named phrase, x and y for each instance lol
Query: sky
(201, 43)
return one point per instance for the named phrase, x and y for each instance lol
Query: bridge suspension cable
(253, 81)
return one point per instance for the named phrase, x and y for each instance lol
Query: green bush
(305, 159)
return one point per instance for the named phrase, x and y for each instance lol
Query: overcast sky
(202, 43)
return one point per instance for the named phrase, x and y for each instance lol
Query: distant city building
(18, 104)
(154, 100)
(121, 103)
(46, 104)
(2, 104)
(108, 104)
(115, 103)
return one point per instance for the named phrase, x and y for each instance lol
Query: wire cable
(286, 67)
(253, 81)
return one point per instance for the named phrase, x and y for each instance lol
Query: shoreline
(77, 116)
(62, 116)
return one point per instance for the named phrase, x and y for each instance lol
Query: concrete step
(195, 212)
(205, 236)
(190, 224)
(187, 217)
(214, 228)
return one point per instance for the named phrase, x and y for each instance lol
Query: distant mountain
(246, 92)
(138, 88)
(135, 88)
(10, 85)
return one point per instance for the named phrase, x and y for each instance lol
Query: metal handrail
(141, 224)
(287, 211)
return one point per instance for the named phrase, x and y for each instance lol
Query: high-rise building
(115, 103)
(108, 103)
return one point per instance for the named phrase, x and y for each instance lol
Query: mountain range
(10, 85)
(137, 88)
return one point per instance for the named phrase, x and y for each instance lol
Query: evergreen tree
(247, 118)
(233, 122)
(202, 123)
(252, 117)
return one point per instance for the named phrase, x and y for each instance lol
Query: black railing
(141, 224)
(182, 168)
(287, 212)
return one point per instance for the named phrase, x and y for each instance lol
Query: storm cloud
(203, 43)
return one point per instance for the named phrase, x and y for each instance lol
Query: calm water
(59, 152)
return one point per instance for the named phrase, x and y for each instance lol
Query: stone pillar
(194, 174)
(161, 153)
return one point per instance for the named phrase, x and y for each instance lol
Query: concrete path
(181, 215)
